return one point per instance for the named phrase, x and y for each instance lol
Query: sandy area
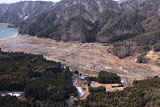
(108, 86)
(88, 58)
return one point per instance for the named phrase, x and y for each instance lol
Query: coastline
(4, 24)
(14, 36)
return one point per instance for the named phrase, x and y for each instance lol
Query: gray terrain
(88, 58)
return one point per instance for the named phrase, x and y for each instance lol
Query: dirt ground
(88, 58)
(85, 89)
(109, 87)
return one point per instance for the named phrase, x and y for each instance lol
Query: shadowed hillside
(43, 82)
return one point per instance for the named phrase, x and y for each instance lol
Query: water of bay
(6, 32)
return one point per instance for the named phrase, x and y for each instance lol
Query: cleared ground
(88, 58)
(109, 87)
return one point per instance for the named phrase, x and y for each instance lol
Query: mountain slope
(68, 10)
(113, 21)
(13, 13)
(148, 12)
(3, 8)
(42, 82)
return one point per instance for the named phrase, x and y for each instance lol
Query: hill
(144, 93)
(42, 82)
(16, 12)
(72, 20)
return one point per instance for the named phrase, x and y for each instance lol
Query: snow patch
(26, 17)
(74, 81)
(85, 5)
(20, 15)
(71, 70)
(108, 67)
(14, 93)
(99, 5)
(66, 5)
(75, 2)
(91, 84)
(79, 89)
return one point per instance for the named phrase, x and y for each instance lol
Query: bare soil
(88, 58)
(109, 87)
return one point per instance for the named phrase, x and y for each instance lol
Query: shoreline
(14, 36)
(4, 24)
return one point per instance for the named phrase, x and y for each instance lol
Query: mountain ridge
(88, 10)
(19, 11)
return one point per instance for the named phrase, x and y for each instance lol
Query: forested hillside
(44, 83)
(144, 93)
(72, 20)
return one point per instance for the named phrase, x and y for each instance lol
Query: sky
(13, 1)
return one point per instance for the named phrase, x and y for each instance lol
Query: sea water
(6, 32)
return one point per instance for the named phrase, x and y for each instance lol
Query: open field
(109, 87)
(88, 58)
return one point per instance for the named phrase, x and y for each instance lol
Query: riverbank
(87, 58)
